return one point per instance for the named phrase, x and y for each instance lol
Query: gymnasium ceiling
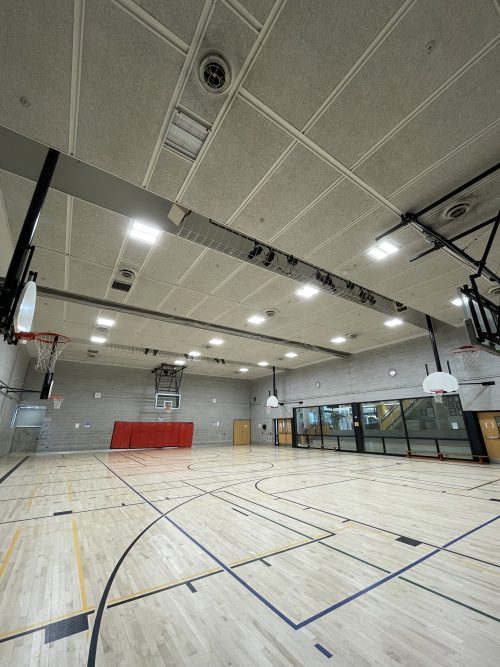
(339, 117)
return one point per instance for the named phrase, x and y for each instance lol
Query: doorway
(490, 428)
(284, 431)
(241, 431)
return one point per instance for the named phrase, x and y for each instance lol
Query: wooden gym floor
(252, 556)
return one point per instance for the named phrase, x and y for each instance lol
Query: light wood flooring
(252, 556)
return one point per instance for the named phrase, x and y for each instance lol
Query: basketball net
(468, 355)
(437, 395)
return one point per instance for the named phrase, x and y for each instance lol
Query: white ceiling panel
(210, 271)
(211, 309)
(169, 174)
(244, 148)
(147, 293)
(300, 178)
(35, 52)
(420, 54)
(128, 77)
(258, 8)
(246, 280)
(332, 213)
(178, 16)
(311, 51)
(50, 268)
(465, 108)
(238, 38)
(88, 278)
(96, 234)
(181, 301)
(171, 258)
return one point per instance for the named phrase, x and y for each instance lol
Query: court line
(389, 577)
(9, 473)
(79, 567)
(12, 544)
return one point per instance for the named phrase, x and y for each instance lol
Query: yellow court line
(42, 624)
(9, 552)
(81, 577)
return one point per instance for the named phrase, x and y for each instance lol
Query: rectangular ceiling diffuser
(185, 135)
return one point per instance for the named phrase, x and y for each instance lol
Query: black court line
(485, 484)
(265, 562)
(63, 512)
(51, 516)
(66, 627)
(63, 493)
(239, 511)
(9, 473)
(408, 540)
(191, 587)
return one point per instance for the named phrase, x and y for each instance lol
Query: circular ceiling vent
(103, 329)
(456, 210)
(270, 313)
(495, 291)
(214, 73)
(126, 274)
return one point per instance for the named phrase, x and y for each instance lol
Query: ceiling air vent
(185, 135)
(456, 210)
(120, 286)
(214, 72)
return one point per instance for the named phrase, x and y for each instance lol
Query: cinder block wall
(365, 376)
(14, 362)
(127, 394)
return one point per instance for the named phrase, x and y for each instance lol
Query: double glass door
(326, 427)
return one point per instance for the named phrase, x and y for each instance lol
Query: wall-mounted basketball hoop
(439, 384)
(272, 402)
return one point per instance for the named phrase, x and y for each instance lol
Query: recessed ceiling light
(186, 135)
(256, 319)
(194, 353)
(457, 302)
(290, 355)
(216, 341)
(243, 370)
(179, 362)
(98, 339)
(105, 322)
(338, 340)
(394, 322)
(143, 232)
(382, 250)
(263, 363)
(307, 291)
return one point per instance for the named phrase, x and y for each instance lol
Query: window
(28, 416)
(383, 418)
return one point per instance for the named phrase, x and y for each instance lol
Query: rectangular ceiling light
(185, 135)
(338, 340)
(382, 250)
(457, 302)
(216, 341)
(256, 319)
(307, 291)
(105, 322)
(143, 232)
(179, 362)
(98, 339)
(395, 322)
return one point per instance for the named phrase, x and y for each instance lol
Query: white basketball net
(49, 347)
(438, 395)
(57, 401)
(468, 355)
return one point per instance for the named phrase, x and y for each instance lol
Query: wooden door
(490, 428)
(284, 431)
(241, 431)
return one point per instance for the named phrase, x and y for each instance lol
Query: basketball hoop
(468, 355)
(48, 345)
(168, 408)
(439, 384)
(57, 401)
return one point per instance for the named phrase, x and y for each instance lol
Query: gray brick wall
(127, 394)
(13, 366)
(365, 376)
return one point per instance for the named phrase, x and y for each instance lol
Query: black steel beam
(9, 291)
(432, 337)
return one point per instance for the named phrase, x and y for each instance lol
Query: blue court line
(323, 650)
(378, 583)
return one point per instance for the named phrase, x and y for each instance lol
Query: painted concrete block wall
(365, 376)
(127, 394)
(14, 362)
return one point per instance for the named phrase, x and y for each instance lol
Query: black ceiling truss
(439, 242)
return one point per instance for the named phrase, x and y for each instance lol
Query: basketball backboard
(481, 320)
(165, 400)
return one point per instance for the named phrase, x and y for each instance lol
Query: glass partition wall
(397, 426)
